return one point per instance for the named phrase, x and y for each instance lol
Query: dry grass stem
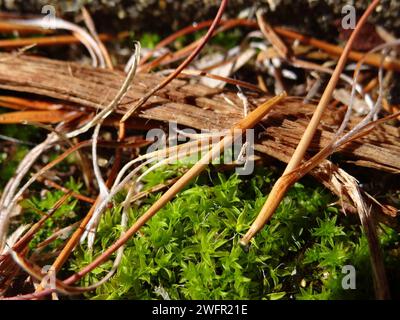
(182, 66)
(281, 186)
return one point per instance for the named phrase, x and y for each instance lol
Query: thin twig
(92, 28)
(279, 189)
(182, 66)
(90, 44)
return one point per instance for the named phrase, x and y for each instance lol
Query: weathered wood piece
(196, 106)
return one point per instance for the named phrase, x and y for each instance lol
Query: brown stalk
(282, 185)
(44, 116)
(183, 65)
(92, 28)
(46, 41)
(172, 57)
(188, 30)
(75, 195)
(174, 36)
(153, 64)
(371, 85)
(22, 104)
(23, 29)
(372, 59)
(154, 189)
(183, 52)
(54, 236)
(30, 234)
(200, 73)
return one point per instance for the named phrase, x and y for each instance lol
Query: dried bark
(196, 106)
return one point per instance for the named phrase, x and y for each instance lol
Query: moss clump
(190, 249)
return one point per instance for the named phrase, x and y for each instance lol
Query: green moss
(190, 248)
(67, 214)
